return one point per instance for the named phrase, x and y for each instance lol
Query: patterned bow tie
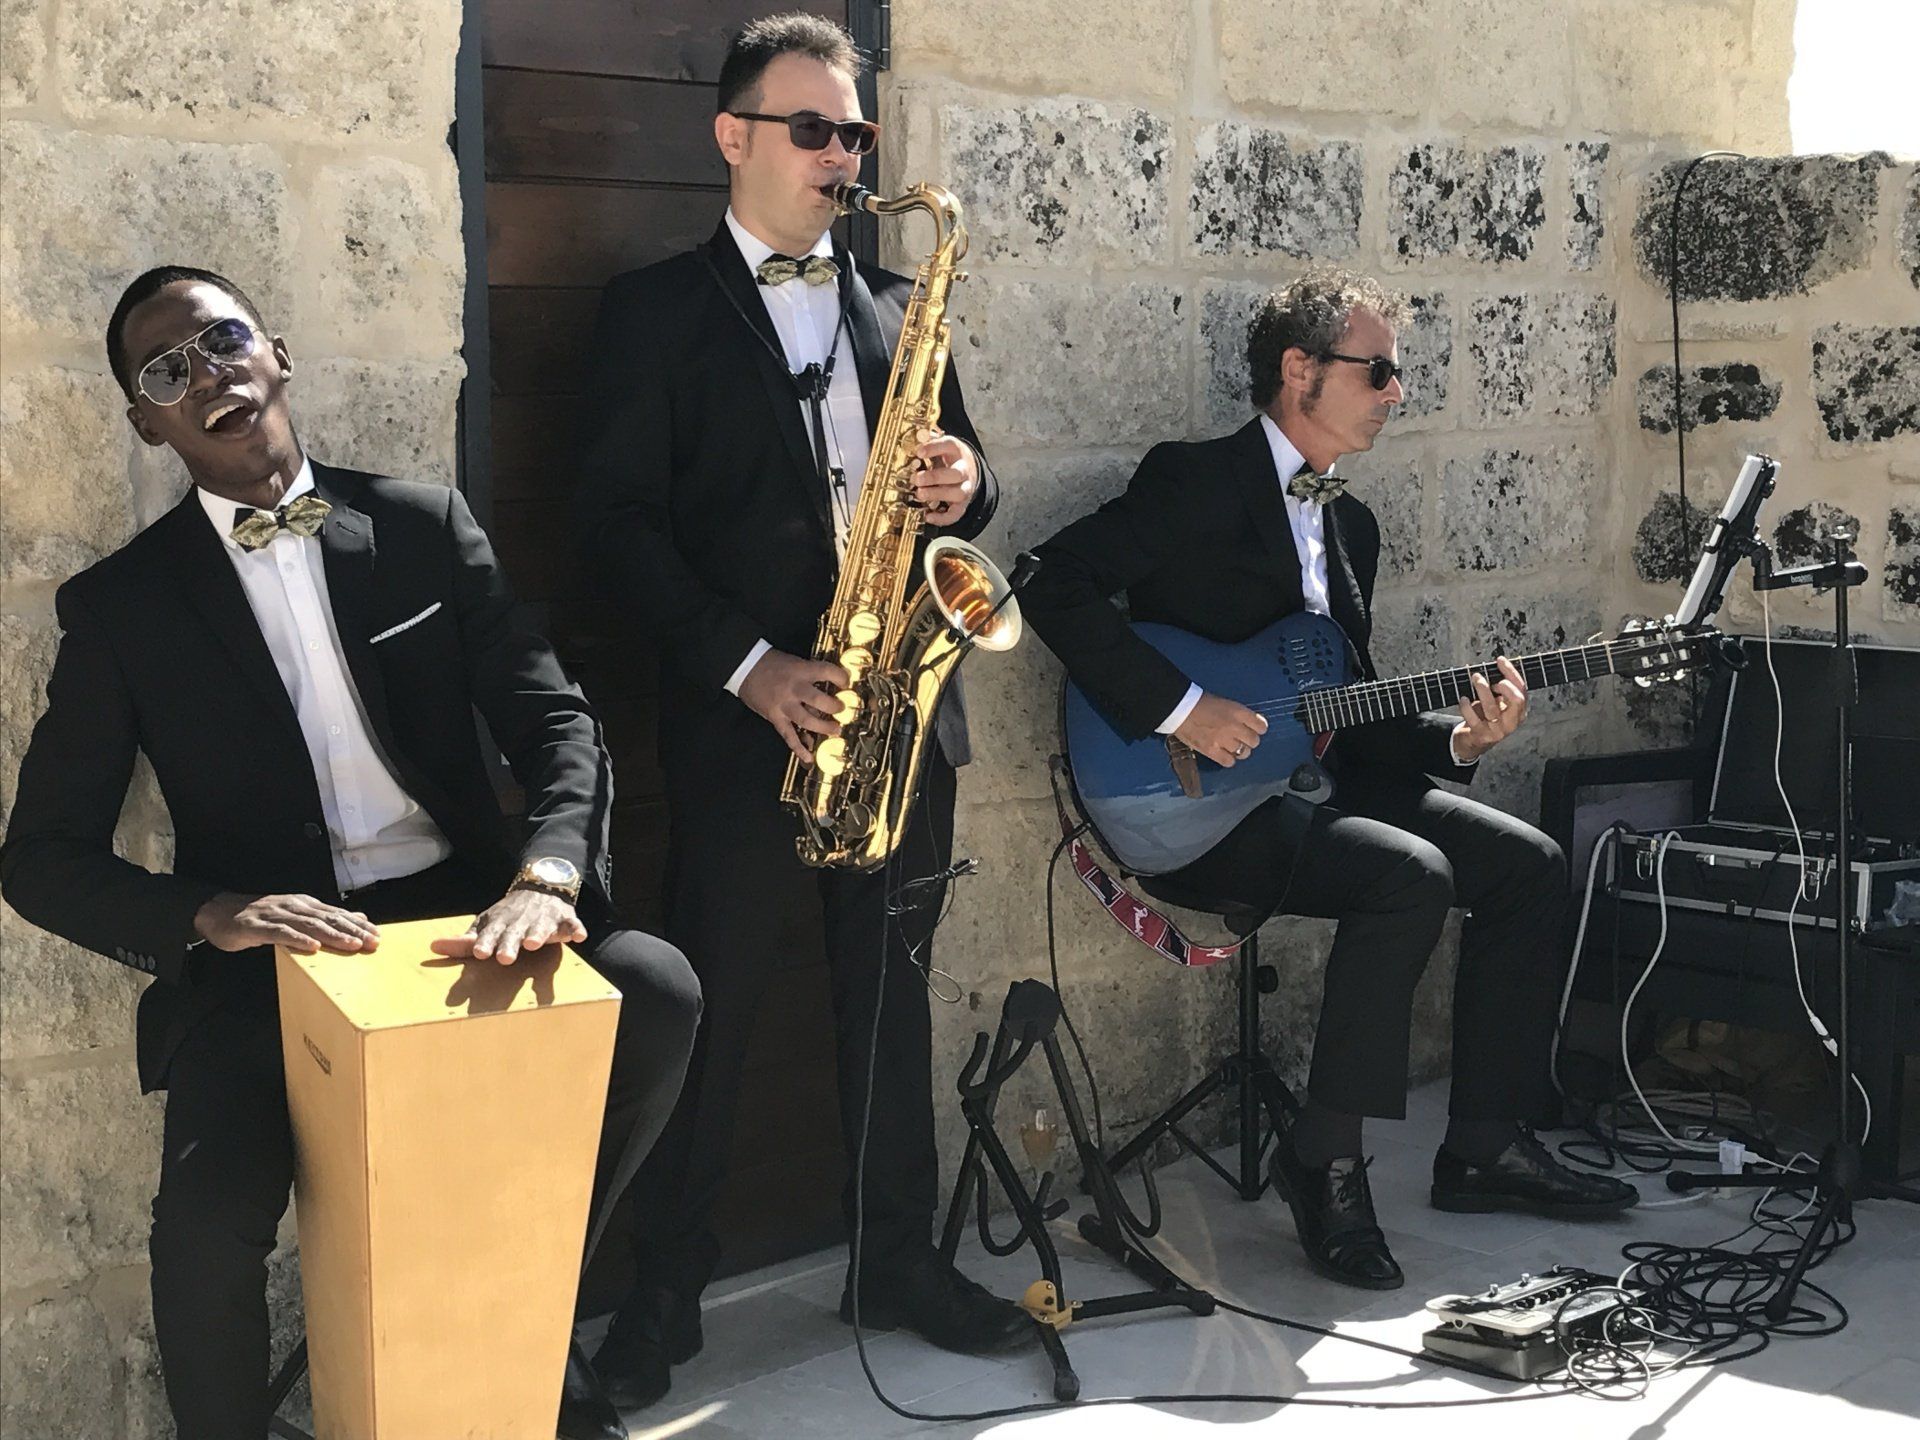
(1308, 484)
(778, 269)
(256, 529)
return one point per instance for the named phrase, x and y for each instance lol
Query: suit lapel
(214, 590)
(1343, 589)
(729, 268)
(1267, 503)
(871, 354)
(347, 552)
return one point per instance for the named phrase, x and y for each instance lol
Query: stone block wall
(1136, 177)
(302, 150)
(1799, 280)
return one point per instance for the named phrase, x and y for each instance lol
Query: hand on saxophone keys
(795, 696)
(948, 480)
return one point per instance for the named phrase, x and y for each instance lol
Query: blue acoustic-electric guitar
(1158, 805)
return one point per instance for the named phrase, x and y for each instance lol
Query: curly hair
(765, 40)
(1311, 314)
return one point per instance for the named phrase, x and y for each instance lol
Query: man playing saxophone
(737, 386)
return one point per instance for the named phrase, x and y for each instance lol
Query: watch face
(552, 871)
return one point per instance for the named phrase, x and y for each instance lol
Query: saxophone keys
(863, 628)
(850, 703)
(856, 661)
(830, 757)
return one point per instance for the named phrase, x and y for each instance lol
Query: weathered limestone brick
(1667, 541)
(56, 1361)
(81, 215)
(1499, 62)
(1074, 364)
(1039, 495)
(56, 997)
(1586, 201)
(1901, 578)
(1665, 70)
(1445, 199)
(1759, 229)
(1541, 354)
(1709, 394)
(1257, 190)
(1910, 228)
(1426, 354)
(82, 1147)
(1392, 485)
(1661, 714)
(1866, 379)
(389, 417)
(1363, 55)
(360, 73)
(23, 51)
(64, 485)
(1061, 180)
(1412, 632)
(390, 266)
(1800, 537)
(1510, 509)
(1031, 44)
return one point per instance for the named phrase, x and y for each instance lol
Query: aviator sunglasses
(164, 379)
(1381, 372)
(810, 130)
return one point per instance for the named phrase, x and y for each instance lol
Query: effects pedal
(1517, 1329)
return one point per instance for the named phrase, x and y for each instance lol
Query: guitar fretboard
(1347, 705)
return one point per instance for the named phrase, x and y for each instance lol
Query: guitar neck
(1369, 700)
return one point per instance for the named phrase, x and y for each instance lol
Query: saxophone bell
(972, 594)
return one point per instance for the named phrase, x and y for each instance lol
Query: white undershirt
(378, 832)
(807, 319)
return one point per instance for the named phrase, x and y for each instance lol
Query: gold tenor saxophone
(899, 649)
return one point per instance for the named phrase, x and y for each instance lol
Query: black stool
(1265, 1101)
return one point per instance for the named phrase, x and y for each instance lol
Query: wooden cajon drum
(446, 1115)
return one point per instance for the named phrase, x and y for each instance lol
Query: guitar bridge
(1186, 767)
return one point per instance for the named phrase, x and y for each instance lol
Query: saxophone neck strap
(810, 382)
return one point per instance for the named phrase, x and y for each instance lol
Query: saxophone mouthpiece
(850, 195)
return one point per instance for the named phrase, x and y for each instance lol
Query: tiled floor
(779, 1365)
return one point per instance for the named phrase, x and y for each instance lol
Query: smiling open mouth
(229, 417)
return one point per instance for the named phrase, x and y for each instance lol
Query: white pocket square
(388, 634)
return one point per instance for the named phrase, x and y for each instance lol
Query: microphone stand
(1841, 1179)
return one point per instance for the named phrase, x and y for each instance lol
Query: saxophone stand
(1028, 1020)
(1841, 1179)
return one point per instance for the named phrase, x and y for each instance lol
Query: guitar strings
(1351, 701)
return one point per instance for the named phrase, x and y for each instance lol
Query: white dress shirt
(378, 832)
(1309, 543)
(807, 319)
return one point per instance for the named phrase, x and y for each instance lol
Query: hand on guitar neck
(1493, 713)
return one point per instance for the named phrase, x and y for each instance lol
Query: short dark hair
(1311, 315)
(142, 289)
(767, 39)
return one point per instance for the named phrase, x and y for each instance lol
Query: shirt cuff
(1180, 712)
(1453, 753)
(739, 676)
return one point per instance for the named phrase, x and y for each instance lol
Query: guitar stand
(1028, 1018)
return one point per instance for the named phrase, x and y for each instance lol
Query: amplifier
(1750, 872)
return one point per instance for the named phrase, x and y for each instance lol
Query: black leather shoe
(1333, 1212)
(585, 1411)
(1525, 1177)
(656, 1328)
(923, 1293)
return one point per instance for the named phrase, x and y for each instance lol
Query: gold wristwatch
(550, 875)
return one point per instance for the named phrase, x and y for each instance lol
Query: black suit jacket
(700, 502)
(162, 655)
(1200, 539)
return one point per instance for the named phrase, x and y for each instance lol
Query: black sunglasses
(810, 130)
(164, 379)
(1381, 372)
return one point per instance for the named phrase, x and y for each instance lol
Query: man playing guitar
(1221, 538)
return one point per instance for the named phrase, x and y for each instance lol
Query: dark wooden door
(599, 158)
